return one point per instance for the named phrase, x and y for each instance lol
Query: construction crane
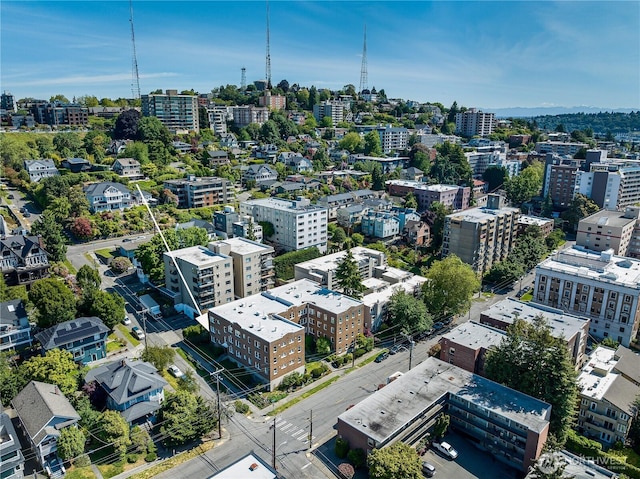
(135, 80)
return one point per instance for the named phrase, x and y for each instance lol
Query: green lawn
(113, 346)
(627, 455)
(305, 395)
(127, 334)
(527, 297)
(80, 473)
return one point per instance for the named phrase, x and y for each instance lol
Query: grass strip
(130, 337)
(303, 396)
(174, 461)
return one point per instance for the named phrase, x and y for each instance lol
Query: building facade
(127, 168)
(563, 148)
(475, 123)
(85, 338)
(609, 229)
(176, 112)
(380, 225)
(39, 169)
(466, 345)
(454, 197)
(108, 196)
(297, 224)
(481, 236)
(199, 192)
(246, 114)
(23, 260)
(598, 285)
(12, 463)
(15, 330)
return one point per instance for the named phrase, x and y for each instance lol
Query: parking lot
(471, 462)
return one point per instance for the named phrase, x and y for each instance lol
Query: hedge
(284, 264)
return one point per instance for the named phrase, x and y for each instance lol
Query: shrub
(346, 470)
(342, 448)
(316, 372)
(82, 461)
(132, 458)
(120, 264)
(152, 456)
(581, 445)
(337, 362)
(357, 457)
(359, 352)
(347, 358)
(241, 407)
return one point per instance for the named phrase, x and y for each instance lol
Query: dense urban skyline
(485, 54)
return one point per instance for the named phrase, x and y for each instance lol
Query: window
(623, 416)
(452, 350)
(593, 406)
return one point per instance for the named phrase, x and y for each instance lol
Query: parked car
(428, 469)
(396, 348)
(438, 326)
(26, 214)
(23, 209)
(137, 332)
(175, 371)
(446, 449)
(126, 321)
(11, 197)
(447, 320)
(381, 357)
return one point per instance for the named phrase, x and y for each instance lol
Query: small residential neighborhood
(304, 282)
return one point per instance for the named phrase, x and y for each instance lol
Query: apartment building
(337, 110)
(207, 275)
(381, 225)
(59, 114)
(573, 330)
(198, 192)
(272, 102)
(598, 285)
(253, 269)
(265, 332)
(608, 386)
(39, 169)
(246, 114)
(454, 197)
(545, 224)
(484, 156)
(297, 224)
(219, 115)
(608, 229)
(481, 236)
(176, 112)
(466, 345)
(563, 148)
(560, 176)
(507, 424)
(475, 122)
(15, 330)
(393, 138)
(613, 184)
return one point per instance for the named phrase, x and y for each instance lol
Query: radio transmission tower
(268, 63)
(135, 81)
(364, 80)
(243, 79)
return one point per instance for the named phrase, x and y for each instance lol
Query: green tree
(451, 165)
(339, 236)
(55, 367)
(140, 440)
(358, 239)
(377, 178)
(70, 443)
(580, 207)
(323, 346)
(350, 142)
(495, 176)
(531, 360)
(185, 417)
(348, 277)
(547, 207)
(152, 129)
(441, 425)
(159, 356)
(88, 277)
(437, 214)
(53, 300)
(398, 461)
(408, 313)
(52, 236)
(634, 430)
(138, 151)
(410, 201)
(269, 132)
(11, 381)
(67, 144)
(60, 208)
(372, 145)
(520, 189)
(115, 430)
(449, 287)
(109, 307)
(267, 229)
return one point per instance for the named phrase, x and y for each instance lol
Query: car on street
(175, 371)
(126, 321)
(428, 469)
(445, 449)
(23, 209)
(381, 357)
(438, 326)
(137, 332)
(11, 197)
(447, 320)
(26, 214)
(396, 348)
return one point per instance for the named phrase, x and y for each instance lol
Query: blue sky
(483, 54)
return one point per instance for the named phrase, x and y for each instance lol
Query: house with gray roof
(76, 165)
(134, 388)
(15, 330)
(12, 463)
(127, 168)
(39, 169)
(85, 338)
(259, 174)
(108, 196)
(198, 223)
(22, 259)
(43, 412)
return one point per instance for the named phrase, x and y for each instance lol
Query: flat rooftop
(385, 412)
(262, 314)
(561, 323)
(534, 220)
(248, 467)
(285, 205)
(330, 262)
(477, 215)
(197, 255)
(422, 186)
(596, 376)
(598, 266)
(608, 218)
(475, 335)
(245, 246)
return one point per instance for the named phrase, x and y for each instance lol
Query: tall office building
(176, 112)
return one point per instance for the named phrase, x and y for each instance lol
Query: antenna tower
(243, 79)
(268, 63)
(364, 80)
(135, 81)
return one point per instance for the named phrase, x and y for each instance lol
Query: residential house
(76, 165)
(181, 147)
(43, 412)
(380, 225)
(507, 424)
(39, 169)
(260, 174)
(608, 386)
(218, 158)
(134, 388)
(250, 465)
(85, 338)
(127, 168)
(12, 459)
(228, 140)
(23, 260)
(15, 330)
(295, 161)
(117, 147)
(417, 233)
(198, 223)
(334, 202)
(412, 173)
(268, 152)
(108, 196)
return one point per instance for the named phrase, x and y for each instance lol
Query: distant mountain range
(516, 112)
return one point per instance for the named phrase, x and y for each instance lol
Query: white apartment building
(562, 148)
(598, 285)
(336, 109)
(297, 224)
(219, 115)
(475, 123)
(207, 274)
(393, 138)
(253, 269)
(176, 112)
(247, 114)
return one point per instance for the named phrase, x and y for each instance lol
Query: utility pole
(353, 354)
(310, 427)
(411, 344)
(144, 328)
(273, 454)
(217, 376)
